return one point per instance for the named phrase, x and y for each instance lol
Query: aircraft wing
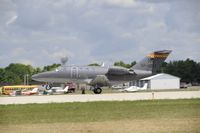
(100, 80)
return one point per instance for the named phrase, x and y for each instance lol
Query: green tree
(94, 64)
(187, 70)
(14, 73)
(198, 73)
(122, 64)
(37, 70)
(50, 67)
(2, 72)
(12, 78)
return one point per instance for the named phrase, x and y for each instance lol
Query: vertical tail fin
(34, 90)
(153, 61)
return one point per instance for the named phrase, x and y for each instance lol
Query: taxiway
(101, 97)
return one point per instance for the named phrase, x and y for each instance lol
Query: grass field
(103, 117)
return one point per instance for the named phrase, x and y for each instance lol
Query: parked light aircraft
(58, 90)
(104, 76)
(134, 88)
(30, 92)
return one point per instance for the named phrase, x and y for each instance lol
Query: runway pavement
(99, 97)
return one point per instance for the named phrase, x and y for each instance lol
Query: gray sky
(40, 32)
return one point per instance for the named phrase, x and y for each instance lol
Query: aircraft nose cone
(43, 77)
(35, 76)
(40, 76)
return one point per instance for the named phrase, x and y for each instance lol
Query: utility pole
(27, 76)
(26, 81)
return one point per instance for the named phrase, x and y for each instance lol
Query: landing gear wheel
(48, 86)
(97, 90)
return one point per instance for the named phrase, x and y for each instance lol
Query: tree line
(188, 70)
(15, 72)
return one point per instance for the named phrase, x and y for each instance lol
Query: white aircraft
(58, 90)
(31, 92)
(134, 88)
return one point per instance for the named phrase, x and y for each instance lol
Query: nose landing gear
(48, 86)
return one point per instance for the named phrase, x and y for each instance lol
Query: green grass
(99, 111)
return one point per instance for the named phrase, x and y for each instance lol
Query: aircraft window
(61, 69)
(131, 71)
(58, 69)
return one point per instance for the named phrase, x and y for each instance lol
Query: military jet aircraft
(99, 76)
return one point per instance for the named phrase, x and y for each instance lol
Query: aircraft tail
(35, 90)
(152, 61)
(66, 88)
(144, 87)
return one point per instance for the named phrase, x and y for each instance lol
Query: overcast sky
(40, 32)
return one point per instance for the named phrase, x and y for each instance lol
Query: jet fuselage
(93, 75)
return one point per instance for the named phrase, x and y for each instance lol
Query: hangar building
(161, 81)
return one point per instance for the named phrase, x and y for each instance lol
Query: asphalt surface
(99, 97)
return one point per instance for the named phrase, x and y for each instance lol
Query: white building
(161, 81)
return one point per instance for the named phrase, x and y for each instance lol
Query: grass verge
(99, 111)
(161, 115)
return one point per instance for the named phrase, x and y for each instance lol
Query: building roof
(160, 76)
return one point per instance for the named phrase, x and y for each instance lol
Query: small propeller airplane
(134, 88)
(99, 76)
(30, 92)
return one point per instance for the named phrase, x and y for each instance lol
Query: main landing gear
(97, 90)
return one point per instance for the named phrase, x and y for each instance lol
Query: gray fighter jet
(99, 76)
